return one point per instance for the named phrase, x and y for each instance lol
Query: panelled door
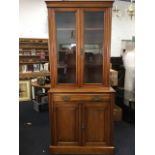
(77, 123)
(95, 123)
(66, 123)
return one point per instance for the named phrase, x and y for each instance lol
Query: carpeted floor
(35, 138)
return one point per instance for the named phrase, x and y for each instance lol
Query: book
(42, 55)
(94, 51)
(91, 46)
(24, 68)
(46, 66)
(30, 68)
(33, 52)
(26, 53)
(36, 67)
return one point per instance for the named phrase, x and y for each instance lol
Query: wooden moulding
(82, 97)
(108, 150)
(79, 4)
(81, 90)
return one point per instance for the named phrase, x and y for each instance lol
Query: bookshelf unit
(33, 58)
(80, 98)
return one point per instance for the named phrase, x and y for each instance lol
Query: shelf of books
(33, 58)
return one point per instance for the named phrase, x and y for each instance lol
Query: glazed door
(80, 46)
(96, 123)
(66, 21)
(92, 46)
(66, 123)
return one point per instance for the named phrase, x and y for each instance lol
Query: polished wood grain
(95, 123)
(52, 44)
(66, 123)
(80, 114)
(79, 4)
(81, 97)
(107, 45)
(103, 150)
(80, 44)
(81, 120)
(94, 89)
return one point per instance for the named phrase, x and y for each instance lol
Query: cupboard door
(92, 46)
(66, 123)
(96, 123)
(66, 50)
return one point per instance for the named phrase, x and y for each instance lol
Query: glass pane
(93, 45)
(66, 47)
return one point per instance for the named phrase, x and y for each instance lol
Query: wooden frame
(24, 90)
(79, 4)
(104, 51)
(75, 108)
(80, 43)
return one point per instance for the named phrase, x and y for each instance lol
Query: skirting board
(107, 150)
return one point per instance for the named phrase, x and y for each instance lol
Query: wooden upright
(80, 99)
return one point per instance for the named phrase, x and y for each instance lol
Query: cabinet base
(104, 150)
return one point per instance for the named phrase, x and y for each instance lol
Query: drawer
(81, 97)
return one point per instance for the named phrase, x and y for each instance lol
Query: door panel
(66, 123)
(66, 46)
(95, 122)
(93, 46)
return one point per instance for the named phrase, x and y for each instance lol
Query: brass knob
(66, 98)
(97, 98)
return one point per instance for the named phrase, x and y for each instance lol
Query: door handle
(66, 98)
(97, 98)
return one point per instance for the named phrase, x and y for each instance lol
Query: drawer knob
(97, 98)
(66, 98)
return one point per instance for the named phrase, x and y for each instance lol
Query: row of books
(92, 48)
(33, 68)
(33, 53)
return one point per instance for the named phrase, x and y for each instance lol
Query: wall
(33, 23)
(33, 19)
(122, 28)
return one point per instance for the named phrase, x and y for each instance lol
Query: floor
(35, 136)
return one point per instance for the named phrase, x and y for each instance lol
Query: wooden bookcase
(80, 98)
(33, 54)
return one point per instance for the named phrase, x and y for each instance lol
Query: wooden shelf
(65, 29)
(33, 47)
(31, 56)
(30, 50)
(94, 29)
(31, 75)
(73, 29)
(34, 43)
(35, 84)
(33, 62)
(93, 65)
(29, 40)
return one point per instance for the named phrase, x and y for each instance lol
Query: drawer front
(81, 97)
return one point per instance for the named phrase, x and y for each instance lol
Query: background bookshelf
(34, 63)
(33, 58)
